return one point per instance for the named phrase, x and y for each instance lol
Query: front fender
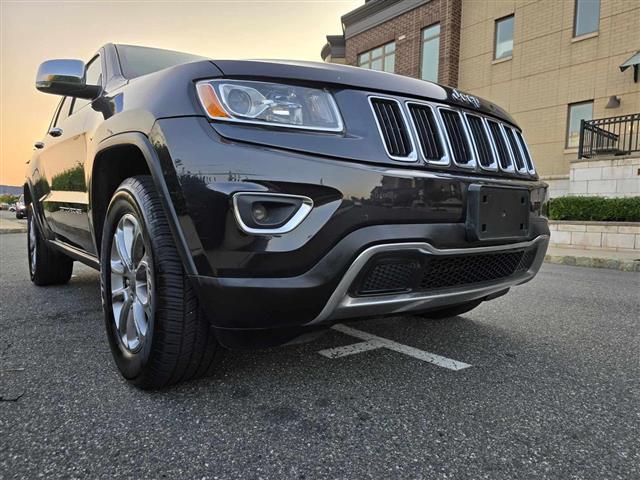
(161, 170)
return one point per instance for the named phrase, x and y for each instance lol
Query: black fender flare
(37, 212)
(142, 142)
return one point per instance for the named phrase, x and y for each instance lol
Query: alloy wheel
(131, 284)
(32, 244)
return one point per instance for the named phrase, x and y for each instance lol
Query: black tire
(451, 311)
(46, 266)
(179, 344)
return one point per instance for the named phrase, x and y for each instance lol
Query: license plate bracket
(497, 213)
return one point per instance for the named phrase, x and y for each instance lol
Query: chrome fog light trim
(306, 205)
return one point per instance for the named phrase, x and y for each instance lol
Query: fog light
(259, 212)
(270, 213)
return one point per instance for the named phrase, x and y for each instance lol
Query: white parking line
(351, 349)
(372, 342)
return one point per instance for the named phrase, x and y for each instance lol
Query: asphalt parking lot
(552, 390)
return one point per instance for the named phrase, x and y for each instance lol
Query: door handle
(55, 132)
(39, 145)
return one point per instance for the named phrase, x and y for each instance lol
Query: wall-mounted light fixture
(614, 102)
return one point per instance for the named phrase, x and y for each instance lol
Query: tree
(8, 198)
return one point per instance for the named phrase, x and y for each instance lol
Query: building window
(381, 58)
(504, 38)
(586, 17)
(577, 112)
(430, 53)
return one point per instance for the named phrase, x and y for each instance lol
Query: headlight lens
(273, 104)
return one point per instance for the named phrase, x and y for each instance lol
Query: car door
(63, 158)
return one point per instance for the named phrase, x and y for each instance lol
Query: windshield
(138, 61)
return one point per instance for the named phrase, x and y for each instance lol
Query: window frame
(495, 36)
(567, 131)
(384, 57)
(96, 57)
(575, 20)
(58, 111)
(422, 43)
(54, 118)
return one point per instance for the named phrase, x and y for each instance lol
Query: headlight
(274, 104)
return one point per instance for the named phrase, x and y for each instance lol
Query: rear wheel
(46, 266)
(451, 311)
(157, 332)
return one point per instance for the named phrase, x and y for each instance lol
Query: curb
(610, 263)
(13, 230)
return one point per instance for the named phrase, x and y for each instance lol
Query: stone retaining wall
(605, 176)
(623, 236)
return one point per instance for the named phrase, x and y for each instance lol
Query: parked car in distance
(20, 208)
(242, 204)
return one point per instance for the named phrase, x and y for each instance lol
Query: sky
(34, 31)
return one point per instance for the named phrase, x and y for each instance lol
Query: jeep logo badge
(463, 97)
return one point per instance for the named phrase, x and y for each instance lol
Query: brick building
(550, 63)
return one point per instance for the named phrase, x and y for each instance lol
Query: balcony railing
(609, 136)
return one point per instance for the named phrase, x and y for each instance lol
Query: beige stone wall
(549, 69)
(620, 236)
(606, 177)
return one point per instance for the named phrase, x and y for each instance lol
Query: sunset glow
(33, 32)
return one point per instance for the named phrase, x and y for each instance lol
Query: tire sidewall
(124, 201)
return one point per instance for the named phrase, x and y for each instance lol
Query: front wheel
(157, 333)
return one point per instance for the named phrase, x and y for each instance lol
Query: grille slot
(393, 128)
(458, 139)
(442, 272)
(501, 147)
(426, 127)
(432, 272)
(525, 150)
(389, 276)
(483, 145)
(515, 149)
(445, 134)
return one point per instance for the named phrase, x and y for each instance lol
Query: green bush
(595, 209)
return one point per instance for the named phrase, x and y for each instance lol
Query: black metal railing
(609, 136)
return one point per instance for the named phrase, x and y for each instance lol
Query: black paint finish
(361, 197)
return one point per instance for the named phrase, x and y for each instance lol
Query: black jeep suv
(245, 203)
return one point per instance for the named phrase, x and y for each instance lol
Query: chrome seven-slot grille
(447, 136)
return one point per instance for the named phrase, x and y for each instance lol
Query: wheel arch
(26, 191)
(118, 158)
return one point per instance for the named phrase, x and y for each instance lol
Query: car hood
(360, 78)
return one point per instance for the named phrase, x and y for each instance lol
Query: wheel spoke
(119, 293)
(145, 302)
(121, 248)
(140, 319)
(117, 267)
(137, 248)
(123, 318)
(129, 233)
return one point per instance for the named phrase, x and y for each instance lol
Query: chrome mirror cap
(65, 77)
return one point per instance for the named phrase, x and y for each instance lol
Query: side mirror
(65, 77)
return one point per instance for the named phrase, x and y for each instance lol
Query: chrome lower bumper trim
(342, 305)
